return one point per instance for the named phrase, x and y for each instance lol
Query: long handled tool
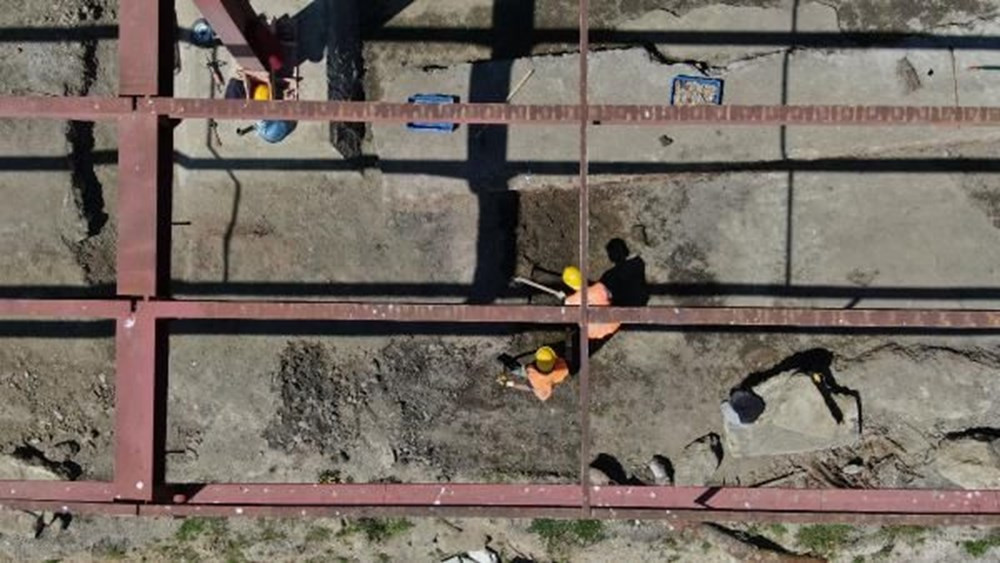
(561, 295)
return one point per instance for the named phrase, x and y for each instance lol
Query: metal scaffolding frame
(145, 112)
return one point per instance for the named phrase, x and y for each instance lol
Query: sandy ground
(273, 402)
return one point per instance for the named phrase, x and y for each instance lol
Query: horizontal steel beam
(876, 506)
(721, 317)
(567, 114)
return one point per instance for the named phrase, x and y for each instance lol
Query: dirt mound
(316, 399)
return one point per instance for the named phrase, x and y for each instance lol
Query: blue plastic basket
(433, 99)
(682, 79)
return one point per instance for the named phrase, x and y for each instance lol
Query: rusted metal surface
(384, 312)
(76, 491)
(374, 112)
(582, 252)
(138, 186)
(138, 53)
(135, 407)
(237, 26)
(492, 113)
(38, 107)
(392, 494)
(801, 317)
(63, 308)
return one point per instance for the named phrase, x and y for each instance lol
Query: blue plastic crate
(683, 79)
(436, 99)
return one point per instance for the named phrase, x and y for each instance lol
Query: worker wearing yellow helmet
(598, 295)
(543, 375)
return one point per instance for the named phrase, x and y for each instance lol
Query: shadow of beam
(461, 168)
(814, 40)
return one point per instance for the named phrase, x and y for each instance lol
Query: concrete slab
(795, 420)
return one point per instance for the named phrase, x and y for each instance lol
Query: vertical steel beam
(136, 407)
(240, 29)
(138, 221)
(584, 200)
(138, 47)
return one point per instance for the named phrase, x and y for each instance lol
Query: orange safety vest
(543, 383)
(597, 296)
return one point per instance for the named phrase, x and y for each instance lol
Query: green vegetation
(193, 528)
(376, 530)
(912, 535)
(823, 539)
(978, 548)
(777, 529)
(858, 559)
(559, 533)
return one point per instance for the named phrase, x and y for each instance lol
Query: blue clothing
(274, 131)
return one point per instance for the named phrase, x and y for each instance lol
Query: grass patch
(193, 528)
(777, 529)
(978, 548)
(107, 548)
(568, 532)
(823, 539)
(911, 535)
(376, 530)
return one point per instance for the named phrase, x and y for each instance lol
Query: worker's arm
(520, 386)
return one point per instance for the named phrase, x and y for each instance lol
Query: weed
(823, 539)
(706, 547)
(858, 559)
(376, 530)
(318, 534)
(912, 535)
(193, 528)
(778, 529)
(384, 557)
(978, 548)
(566, 532)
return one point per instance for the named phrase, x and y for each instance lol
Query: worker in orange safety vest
(598, 295)
(543, 375)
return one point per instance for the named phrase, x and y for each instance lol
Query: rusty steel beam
(383, 312)
(721, 317)
(952, 319)
(75, 491)
(243, 33)
(568, 114)
(391, 494)
(138, 55)
(63, 308)
(136, 407)
(583, 221)
(84, 109)
(138, 221)
(491, 113)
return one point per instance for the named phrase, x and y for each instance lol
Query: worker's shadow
(813, 362)
(627, 278)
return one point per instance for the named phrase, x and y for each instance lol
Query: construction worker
(598, 295)
(547, 371)
(272, 131)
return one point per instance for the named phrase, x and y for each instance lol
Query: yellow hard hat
(545, 359)
(573, 277)
(261, 93)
